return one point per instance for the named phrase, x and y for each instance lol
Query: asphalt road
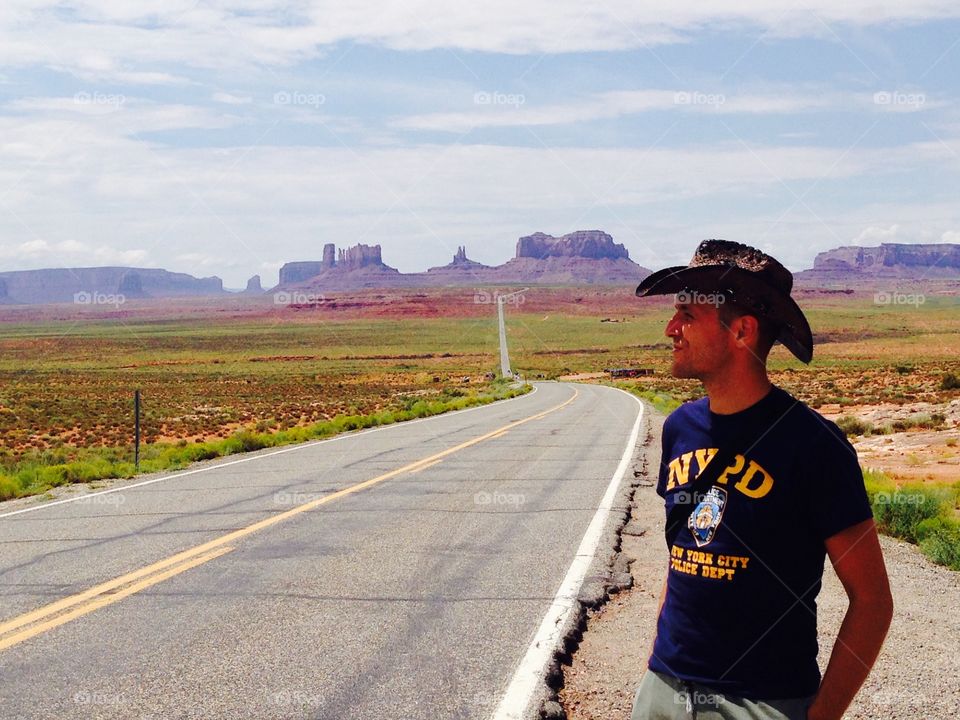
(273, 587)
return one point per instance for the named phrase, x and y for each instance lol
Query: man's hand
(858, 561)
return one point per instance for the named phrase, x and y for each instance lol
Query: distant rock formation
(852, 263)
(253, 286)
(360, 266)
(131, 285)
(296, 272)
(359, 256)
(58, 285)
(591, 244)
(329, 255)
(889, 255)
(462, 270)
(583, 257)
(4, 297)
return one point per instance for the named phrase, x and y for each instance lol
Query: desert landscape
(322, 345)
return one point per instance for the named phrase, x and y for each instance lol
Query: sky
(229, 138)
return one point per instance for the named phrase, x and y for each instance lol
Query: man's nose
(673, 328)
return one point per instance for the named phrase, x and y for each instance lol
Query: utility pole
(136, 429)
(505, 370)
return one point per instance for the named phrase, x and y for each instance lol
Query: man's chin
(681, 372)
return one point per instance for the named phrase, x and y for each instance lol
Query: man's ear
(745, 327)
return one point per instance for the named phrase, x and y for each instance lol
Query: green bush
(940, 541)
(9, 487)
(854, 426)
(950, 382)
(898, 513)
(918, 514)
(926, 422)
(930, 526)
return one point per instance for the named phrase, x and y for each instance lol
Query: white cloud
(119, 41)
(39, 253)
(875, 235)
(227, 98)
(495, 109)
(86, 179)
(115, 113)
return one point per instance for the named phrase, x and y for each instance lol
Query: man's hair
(768, 330)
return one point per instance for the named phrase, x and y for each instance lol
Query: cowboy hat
(745, 276)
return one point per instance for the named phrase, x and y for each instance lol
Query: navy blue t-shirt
(740, 610)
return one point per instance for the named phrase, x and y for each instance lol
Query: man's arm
(663, 596)
(858, 561)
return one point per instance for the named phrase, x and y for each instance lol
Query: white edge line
(299, 446)
(530, 672)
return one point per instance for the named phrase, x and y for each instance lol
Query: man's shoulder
(812, 427)
(686, 412)
(802, 413)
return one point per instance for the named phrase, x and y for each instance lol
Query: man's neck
(736, 391)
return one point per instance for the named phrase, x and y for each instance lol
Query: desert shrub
(950, 382)
(203, 451)
(876, 481)
(900, 512)
(663, 402)
(9, 487)
(88, 470)
(941, 544)
(854, 426)
(926, 422)
(926, 528)
(245, 441)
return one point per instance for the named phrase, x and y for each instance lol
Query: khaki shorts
(661, 697)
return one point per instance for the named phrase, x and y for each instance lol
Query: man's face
(701, 344)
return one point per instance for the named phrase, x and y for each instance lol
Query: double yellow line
(35, 622)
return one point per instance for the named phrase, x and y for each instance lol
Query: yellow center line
(103, 600)
(118, 588)
(424, 467)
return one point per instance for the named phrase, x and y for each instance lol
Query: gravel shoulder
(915, 676)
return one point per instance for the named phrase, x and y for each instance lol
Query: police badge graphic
(705, 518)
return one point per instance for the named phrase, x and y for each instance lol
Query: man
(737, 631)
